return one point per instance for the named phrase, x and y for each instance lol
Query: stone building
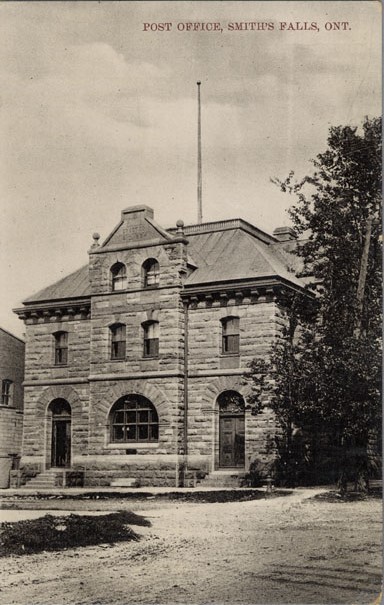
(11, 404)
(135, 362)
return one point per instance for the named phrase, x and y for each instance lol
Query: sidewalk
(93, 492)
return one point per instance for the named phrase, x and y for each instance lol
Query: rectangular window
(231, 337)
(118, 342)
(151, 347)
(61, 348)
(6, 392)
(151, 339)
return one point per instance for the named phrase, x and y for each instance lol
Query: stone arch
(134, 387)
(224, 383)
(66, 392)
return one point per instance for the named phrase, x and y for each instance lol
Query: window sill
(133, 445)
(229, 355)
(154, 287)
(149, 357)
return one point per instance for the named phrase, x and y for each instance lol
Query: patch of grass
(58, 533)
(335, 496)
(225, 495)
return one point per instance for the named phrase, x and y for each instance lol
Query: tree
(327, 363)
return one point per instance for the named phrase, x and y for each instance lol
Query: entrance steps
(223, 478)
(46, 480)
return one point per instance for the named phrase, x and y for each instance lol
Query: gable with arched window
(118, 341)
(134, 419)
(118, 277)
(151, 338)
(230, 342)
(61, 348)
(150, 272)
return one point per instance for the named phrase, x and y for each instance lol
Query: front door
(61, 442)
(231, 441)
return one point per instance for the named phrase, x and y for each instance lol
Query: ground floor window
(134, 419)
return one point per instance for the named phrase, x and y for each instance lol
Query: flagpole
(199, 175)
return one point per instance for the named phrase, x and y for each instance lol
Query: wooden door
(61, 443)
(231, 441)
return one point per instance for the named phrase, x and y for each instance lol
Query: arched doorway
(61, 433)
(231, 430)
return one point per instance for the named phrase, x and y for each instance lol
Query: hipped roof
(220, 254)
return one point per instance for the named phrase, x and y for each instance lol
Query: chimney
(284, 234)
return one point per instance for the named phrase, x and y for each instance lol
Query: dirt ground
(282, 550)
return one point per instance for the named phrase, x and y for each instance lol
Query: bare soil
(293, 549)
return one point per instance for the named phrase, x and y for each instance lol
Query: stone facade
(11, 403)
(128, 359)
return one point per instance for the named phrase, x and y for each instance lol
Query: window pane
(119, 417)
(131, 433)
(233, 343)
(131, 417)
(231, 326)
(118, 433)
(153, 416)
(143, 416)
(143, 432)
(154, 432)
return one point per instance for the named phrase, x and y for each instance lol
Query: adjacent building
(135, 362)
(11, 403)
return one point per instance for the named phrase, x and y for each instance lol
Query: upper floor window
(61, 348)
(118, 277)
(6, 391)
(151, 338)
(150, 273)
(230, 335)
(118, 341)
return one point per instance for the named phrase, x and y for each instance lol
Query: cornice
(58, 310)
(238, 293)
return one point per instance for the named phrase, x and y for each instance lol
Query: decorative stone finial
(180, 227)
(96, 237)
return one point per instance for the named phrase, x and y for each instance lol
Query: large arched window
(118, 341)
(118, 277)
(230, 335)
(61, 348)
(150, 273)
(151, 338)
(133, 419)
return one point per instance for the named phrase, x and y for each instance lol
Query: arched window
(133, 419)
(118, 277)
(151, 338)
(230, 335)
(150, 273)
(61, 348)
(6, 391)
(118, 341)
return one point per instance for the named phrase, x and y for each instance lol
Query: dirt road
(282, 550)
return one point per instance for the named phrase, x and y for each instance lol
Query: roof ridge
(234, 223)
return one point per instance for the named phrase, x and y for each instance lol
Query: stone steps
(46, 480)
(223, 479)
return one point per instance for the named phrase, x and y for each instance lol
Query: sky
(97, 114)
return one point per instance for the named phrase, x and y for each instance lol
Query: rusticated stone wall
(11, 414)
(211, 373)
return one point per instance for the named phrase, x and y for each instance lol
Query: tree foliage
(327, 365)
